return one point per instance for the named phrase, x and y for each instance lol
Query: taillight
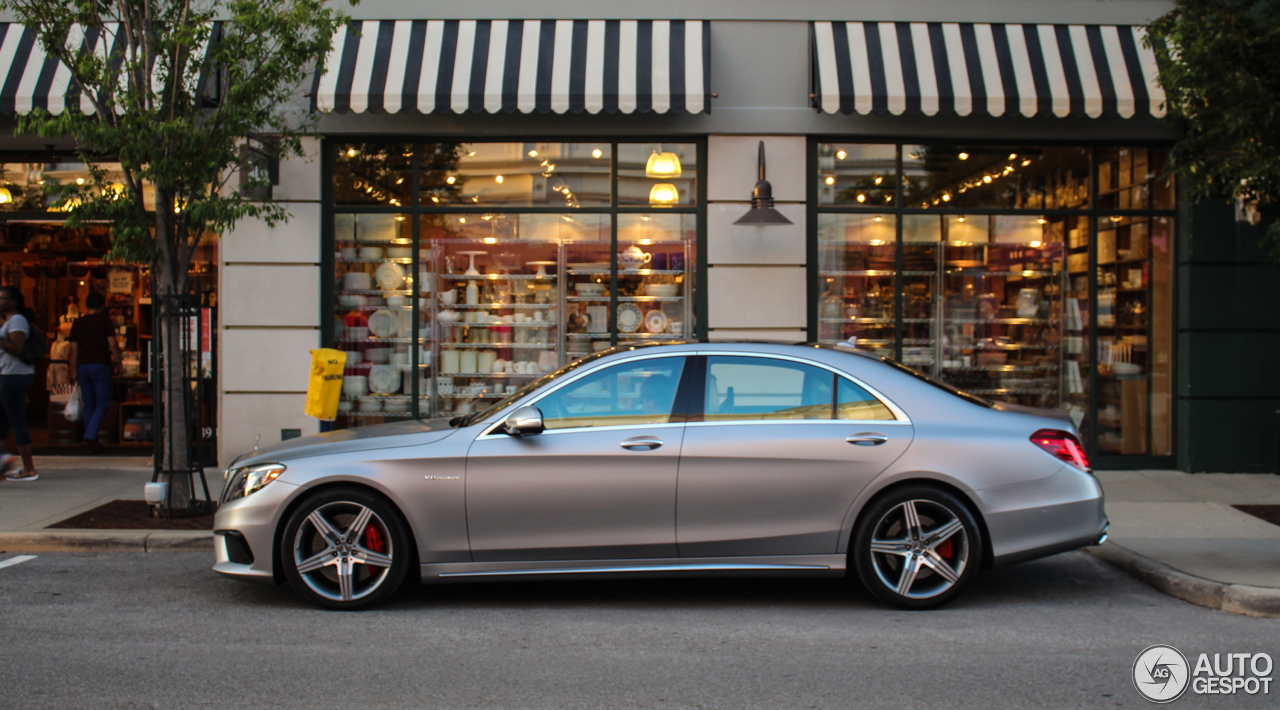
(1062, 444)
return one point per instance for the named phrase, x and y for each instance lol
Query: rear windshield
(922, 377)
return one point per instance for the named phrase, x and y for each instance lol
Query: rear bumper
(1029, 520)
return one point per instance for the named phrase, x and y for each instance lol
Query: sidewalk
(70, 485)
(1174, 531)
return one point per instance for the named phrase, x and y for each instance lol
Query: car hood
(381, 436)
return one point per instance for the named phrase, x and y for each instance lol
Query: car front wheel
(345, 548)
(917, 547)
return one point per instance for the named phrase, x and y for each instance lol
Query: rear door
(778, 454)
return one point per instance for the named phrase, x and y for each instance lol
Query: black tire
(336, 567)
(922, 568)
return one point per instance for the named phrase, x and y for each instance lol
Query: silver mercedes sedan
(674, 459)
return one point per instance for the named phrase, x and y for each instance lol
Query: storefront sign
(120, 281)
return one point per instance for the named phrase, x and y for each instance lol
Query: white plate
(629, 318)
(390, 276)
(655, 321)
(383, 324)
(383, 379)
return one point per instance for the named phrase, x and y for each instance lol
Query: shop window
(373, 174)
(483, 285)
(1008, 177)
(856, 174)
(24, 186)
(997, 275)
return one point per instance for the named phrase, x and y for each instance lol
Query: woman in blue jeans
(94, 353)
(15, 379)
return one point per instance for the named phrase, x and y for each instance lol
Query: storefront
(482, 265)
(980, 196)
(56, 267)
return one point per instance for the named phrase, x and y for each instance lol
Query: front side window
(628, 394)
(751, 388)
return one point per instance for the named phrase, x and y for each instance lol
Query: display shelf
(489, 346)
(1026, 274)
(495, 277)
(1005, 321)
(495, 305)
(625, 299)
(1037, 392)
(1001, 368)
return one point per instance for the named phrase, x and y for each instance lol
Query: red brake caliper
(946, 549)
(373, 540)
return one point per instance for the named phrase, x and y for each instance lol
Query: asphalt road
(163, 631)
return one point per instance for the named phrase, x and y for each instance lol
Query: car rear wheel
(345, 548)
(917, 547)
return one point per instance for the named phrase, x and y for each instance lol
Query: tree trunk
(173, 436)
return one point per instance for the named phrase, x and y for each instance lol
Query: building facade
(976, 189)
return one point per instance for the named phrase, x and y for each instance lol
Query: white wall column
(755, 274)
(268, 315)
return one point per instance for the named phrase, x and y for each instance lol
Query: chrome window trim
(502, 416)
(898, 414)
(861, 423)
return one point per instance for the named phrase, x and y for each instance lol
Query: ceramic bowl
(396, 405)
(589, 289)
(370, 252)
(397, 301)
(399, 252)
(346, 405)
(355, 385)
(378, 356)
(370, 404)
(664, 290)
(353, 358)
(348, 300)
(349, 253)
(357, 281)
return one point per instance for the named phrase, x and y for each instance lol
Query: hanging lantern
(663, 194)
(662, 165)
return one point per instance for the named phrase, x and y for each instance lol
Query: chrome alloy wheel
(343, 551)
(919, 549)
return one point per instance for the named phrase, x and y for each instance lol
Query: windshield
(506, 401)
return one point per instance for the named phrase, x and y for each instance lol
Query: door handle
(642, 443)
(867, 438)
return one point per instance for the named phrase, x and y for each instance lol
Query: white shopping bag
(72, 410)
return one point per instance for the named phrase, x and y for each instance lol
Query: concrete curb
(108, 541)
(1233, 598)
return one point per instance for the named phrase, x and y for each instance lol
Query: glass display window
(373, 174)
(995, 269)
(1002, 177)
(23, 185)
(857, 269)
(477, 291)
(856, 174)
(516, 174)
(658, 174)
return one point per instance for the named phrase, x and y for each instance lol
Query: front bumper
(244, 533)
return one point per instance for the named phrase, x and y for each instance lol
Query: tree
(1220, 70)
(143, 69)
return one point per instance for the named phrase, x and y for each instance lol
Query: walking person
(94, 354)
(16, 377)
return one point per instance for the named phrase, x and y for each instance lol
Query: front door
(781, 452)
(598, 484)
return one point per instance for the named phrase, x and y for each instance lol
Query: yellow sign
(325, 388)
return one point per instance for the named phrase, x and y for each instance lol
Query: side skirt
(789, 565)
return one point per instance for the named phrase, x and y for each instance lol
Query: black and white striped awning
(966, 68)
(32, 79)
(508, 66)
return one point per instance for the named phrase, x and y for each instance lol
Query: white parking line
(16, 560)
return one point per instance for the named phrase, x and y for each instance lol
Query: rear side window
(853, 402)
(754, 388)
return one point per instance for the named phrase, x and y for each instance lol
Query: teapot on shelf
(633, 258)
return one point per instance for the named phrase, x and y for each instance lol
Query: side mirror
(525, 421)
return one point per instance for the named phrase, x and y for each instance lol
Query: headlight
(240, 482)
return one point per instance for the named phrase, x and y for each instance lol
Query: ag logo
(1161, 674)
